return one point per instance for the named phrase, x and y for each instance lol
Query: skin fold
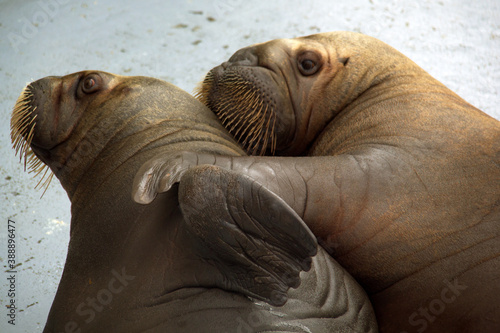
(146, 268)
(396, 175)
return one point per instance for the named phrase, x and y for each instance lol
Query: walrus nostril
(244, 57)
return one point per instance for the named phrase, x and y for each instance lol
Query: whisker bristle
(22, 132)
(243, 109)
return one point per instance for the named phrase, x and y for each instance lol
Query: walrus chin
(22, 130)
(244, 109)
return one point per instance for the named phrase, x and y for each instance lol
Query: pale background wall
(457, 41)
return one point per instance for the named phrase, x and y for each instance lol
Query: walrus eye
(309, 63)
(90, 83)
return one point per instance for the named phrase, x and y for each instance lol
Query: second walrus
(401, 183)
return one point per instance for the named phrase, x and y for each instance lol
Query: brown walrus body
(136, 268)
(401, 183)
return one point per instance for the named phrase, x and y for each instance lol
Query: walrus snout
(27, 112)
(43, 108)
(42, 91)
(39, 121)
(243, 57)
(30, 113)
(22, 123)
(247, 94)
(244, 98)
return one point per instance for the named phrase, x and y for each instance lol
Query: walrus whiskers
(22, 125)
(247, 113)
(263, 135)
(254, 130)
(234, 122)
(268, 133)
(22, 130)
(202, 90)
(249, 118)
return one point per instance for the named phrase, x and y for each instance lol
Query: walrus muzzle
(253, 121)
(22, 125)
(39, 124)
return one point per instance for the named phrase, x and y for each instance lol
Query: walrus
(145, 268)
(396, 175)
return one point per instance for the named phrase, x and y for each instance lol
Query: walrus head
(73, 122)
(277, 97)
(265, 93)
(46, 113)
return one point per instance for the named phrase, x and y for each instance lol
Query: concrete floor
(457, 41)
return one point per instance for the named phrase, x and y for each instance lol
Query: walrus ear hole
(309, 63)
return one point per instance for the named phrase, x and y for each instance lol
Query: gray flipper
(258, 243)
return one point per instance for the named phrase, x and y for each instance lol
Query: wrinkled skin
(401, 182)
(144, 268)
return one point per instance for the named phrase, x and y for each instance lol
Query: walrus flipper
(252, 236)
